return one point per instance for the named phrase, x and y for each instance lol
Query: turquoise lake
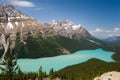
(59, 62)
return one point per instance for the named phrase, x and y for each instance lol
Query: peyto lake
(59, 62)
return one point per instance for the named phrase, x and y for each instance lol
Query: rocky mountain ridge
(13, 20)
(113, 40)
(67, 29)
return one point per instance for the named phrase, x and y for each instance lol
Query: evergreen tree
(20, 74)
(41, 74)
(9, 66)
(51, 74)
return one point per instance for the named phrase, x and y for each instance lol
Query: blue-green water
(59, 62)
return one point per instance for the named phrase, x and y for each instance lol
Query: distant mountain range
(113, 40)
(33, 39)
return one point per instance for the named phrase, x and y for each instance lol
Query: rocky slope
(113, 75)
(67, 29)
(37, 39)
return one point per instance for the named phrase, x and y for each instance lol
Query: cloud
(103, 33)
(116, 29)
(97, 30)
(113, 34)
(22, 3)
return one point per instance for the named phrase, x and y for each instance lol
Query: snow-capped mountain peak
(67, 28)
(17, 21)
(66, 24)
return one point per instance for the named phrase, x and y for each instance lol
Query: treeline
(20, 75)
(88, 70)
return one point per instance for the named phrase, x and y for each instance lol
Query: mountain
(33, 39)
(113, 40)
(67, 29)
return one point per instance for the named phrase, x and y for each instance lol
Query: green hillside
(36, 47)
(87, 70)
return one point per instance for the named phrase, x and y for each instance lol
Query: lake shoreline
(116, 56)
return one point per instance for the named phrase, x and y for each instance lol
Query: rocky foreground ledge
(114, 75)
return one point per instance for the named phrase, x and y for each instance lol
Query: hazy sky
(100, 17)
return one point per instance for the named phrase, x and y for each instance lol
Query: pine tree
(41, 74)
(20, 74)
(9, 65)
(51, 74)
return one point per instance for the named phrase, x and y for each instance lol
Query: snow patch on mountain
(16, 23)
(9, 25)
(74, 27)
(93, 41)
